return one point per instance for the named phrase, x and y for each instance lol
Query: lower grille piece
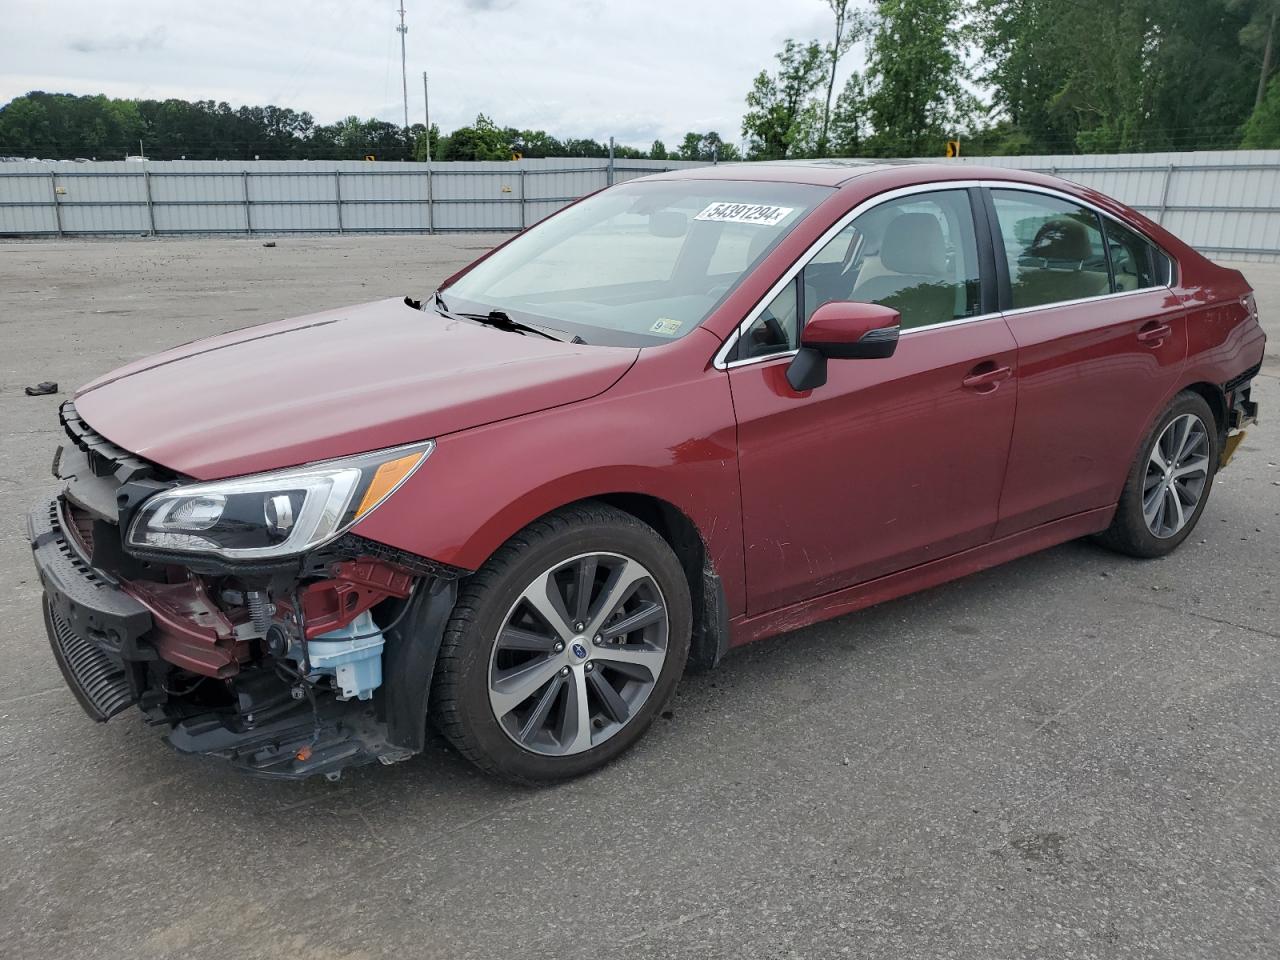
(98, 682)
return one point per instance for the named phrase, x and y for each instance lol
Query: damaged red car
(684, 413)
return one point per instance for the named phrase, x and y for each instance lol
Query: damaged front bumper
(118, 645)
(288, 671)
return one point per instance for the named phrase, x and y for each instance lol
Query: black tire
(1129, 532)
(460, 706)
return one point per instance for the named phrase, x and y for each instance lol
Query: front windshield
(639, 264)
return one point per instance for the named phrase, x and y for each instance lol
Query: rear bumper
(1242, 411)
(94, 627)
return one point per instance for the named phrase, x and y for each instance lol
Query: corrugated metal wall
(287, 196)
(1227, 204)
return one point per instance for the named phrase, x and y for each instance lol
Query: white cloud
(637, 70)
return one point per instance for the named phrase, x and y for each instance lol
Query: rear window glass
(1054, 248)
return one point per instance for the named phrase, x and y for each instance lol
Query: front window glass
(640, 264)
(1053, 247)
(918, 255)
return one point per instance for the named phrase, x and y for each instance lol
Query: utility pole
(426, 113)
(404, 77)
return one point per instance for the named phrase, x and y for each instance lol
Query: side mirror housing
(842, 331)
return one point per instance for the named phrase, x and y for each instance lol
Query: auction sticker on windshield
(763, 214)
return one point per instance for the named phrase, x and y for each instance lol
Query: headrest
(913, 244)
(1061, 239)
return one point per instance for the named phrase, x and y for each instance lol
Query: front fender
(676, 443)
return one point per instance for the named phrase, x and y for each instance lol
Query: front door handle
(985, 377)
(1155, 333)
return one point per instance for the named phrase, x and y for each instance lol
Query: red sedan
(683, 414)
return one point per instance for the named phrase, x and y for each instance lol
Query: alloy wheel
(578, 654)
(1177, 472)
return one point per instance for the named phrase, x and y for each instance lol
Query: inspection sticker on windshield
(666, 326)
(764, 214)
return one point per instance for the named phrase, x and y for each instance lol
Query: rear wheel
(564, 646)
(1169, 484)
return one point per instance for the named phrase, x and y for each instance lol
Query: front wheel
(564, 646)
(1169, 484)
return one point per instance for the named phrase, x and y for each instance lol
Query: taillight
(1250, 304)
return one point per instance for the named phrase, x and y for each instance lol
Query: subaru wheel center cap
(578, 648)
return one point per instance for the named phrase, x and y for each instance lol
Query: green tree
(776, 117)
(690, 147)
(483, 140)
(1110, 75)
(849, 28)
(849, 127)
(916, 75)
(1259, 36)
(1262, 131)
(658, 151)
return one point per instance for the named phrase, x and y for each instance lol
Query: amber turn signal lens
(385, 480)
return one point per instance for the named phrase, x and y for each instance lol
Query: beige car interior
(1059, 265)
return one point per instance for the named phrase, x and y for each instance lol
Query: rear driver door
(1101, 341)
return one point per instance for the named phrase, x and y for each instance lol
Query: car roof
(838, 172)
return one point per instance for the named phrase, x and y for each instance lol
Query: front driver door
(892, 462)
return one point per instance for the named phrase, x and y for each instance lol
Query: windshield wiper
(500, 320)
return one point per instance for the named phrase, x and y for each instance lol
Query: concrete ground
(1074, 755)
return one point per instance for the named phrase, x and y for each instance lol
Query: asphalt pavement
(1073, 755)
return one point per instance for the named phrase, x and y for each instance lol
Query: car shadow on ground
(874, 644)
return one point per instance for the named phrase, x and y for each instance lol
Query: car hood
(333, 384)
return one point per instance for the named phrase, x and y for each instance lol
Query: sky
(634, 69)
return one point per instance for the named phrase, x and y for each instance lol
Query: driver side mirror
(842, 330)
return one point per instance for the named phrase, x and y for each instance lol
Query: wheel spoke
(517, 638)
(1178, 517)
(1181, 430)
(575, 726)
(649, 613)
(1190, 438)
(586, 581)
(634, 655)
(1151, 507)
(614, 705)
(616, 591)
(544, 596)
(538, 718)
(1157, 455)
(1198, 465)
(513, 687)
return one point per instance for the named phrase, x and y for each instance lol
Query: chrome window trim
(1019, 311)
(720, 363)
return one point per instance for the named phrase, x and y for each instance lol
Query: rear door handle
(1155, 333)
(985, 377)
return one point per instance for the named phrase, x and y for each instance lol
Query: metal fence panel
(1226, 203)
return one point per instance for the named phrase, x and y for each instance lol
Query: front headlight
(271, 515)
